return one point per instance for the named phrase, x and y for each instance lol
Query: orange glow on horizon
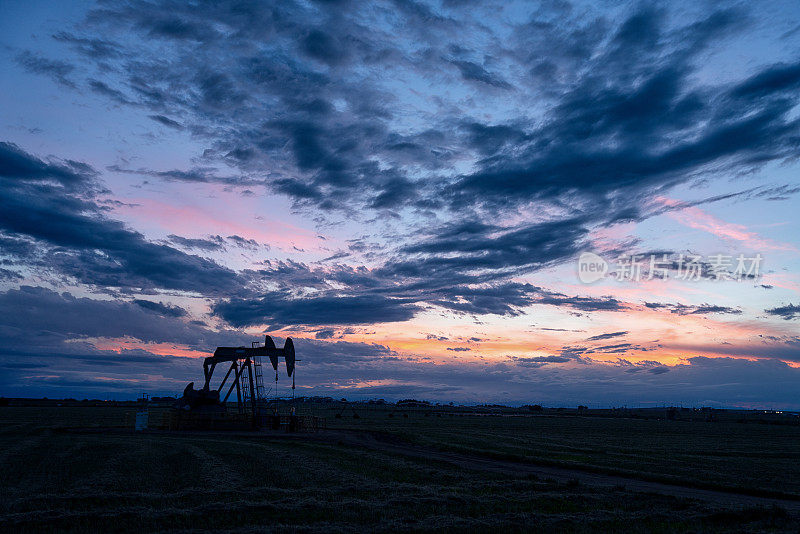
(161, 349)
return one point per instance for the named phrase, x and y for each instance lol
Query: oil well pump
(244, 369)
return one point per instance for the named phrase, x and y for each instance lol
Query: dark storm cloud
(570, 154)
(476, 73)
(212, 243)
(78, 369)
(32, 314)
(323, 47)
(587, 304)
(166, 121)
(506, 148)
(506, 299)
(17, 247)
(275, 310)
(329, 148)
(464, 247)
(685, 309)
(653, 367)
(635, 92)
(95, 48)
(771, 81)
(786, 347)
(347, 369)
(299, 99)
(501, 299)
(199, 175)
(783, 192)
(338, 368)
(144, 264)
(538, 361)
(606, 336)
(454, 292)
(614, 92)
(610, 349)
(160, 308)
(54, 204)
(790, 311)
(103, 89)
(56, 69)
(47, 346)
(489, 139)
(7, 275)
(326, 333)
(17, 166)
(341, 353)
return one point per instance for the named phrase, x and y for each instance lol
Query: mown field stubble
(82, 470)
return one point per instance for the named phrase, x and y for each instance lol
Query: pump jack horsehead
(245, 366)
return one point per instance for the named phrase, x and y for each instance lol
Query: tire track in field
(393, 445)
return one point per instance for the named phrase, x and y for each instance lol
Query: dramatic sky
(405, 189)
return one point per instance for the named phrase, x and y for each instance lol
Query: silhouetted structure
(246, 379)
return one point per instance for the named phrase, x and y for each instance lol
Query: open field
(77, 469)
(755, 457)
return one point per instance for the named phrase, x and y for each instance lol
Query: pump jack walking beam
(269, 350)
(241, 359)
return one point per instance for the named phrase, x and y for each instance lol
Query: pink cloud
(694, 217)
(199, 221)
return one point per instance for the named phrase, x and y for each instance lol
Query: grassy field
(754, 457)
(57, 479)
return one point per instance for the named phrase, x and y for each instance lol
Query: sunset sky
(405, 189)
